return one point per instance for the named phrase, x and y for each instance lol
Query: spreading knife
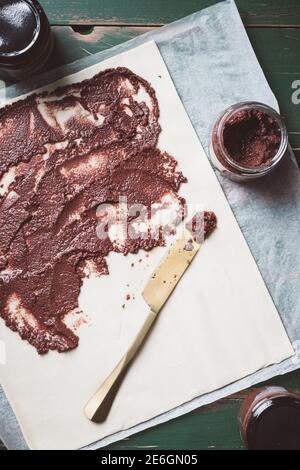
(156, 292)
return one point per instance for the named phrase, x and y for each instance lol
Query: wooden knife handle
(100, 403)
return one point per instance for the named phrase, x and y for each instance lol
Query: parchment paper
(209, 334)
(212, 65)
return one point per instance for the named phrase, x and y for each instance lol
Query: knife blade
(169, 272)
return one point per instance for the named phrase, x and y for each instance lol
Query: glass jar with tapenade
(25, 39)
(248, 140)
(269, 419)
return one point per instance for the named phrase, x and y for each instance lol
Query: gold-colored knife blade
(157, 291)
(169, 272)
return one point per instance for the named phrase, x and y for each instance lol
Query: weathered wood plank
(157, 12)
(204, 429)
(211, 427)
(276, 49)
(278, 53)
(72, 45)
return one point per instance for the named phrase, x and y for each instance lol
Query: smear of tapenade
(69, 151)
(66, 153)
(252, 138)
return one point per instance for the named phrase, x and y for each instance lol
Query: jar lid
(275, 424)
(19, 29)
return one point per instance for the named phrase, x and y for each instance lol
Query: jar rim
(264, 408)
(13, 54)
(244, 105)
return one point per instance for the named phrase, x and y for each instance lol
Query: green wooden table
(273, 26)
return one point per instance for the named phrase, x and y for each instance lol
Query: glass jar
(25, 39)
(220, 156)
(269, 419)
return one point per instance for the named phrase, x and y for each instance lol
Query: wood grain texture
(278, 53)
(210, 427)
(157, 12)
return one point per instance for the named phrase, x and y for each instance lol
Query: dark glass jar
(25, 39)
(269, 419)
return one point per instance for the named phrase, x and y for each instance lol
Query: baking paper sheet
(210, 54)
(209, 334)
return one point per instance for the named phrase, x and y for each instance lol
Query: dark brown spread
(252, 138)
(71, 151)
(269, 419)
(202, 225)
(64, 169)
